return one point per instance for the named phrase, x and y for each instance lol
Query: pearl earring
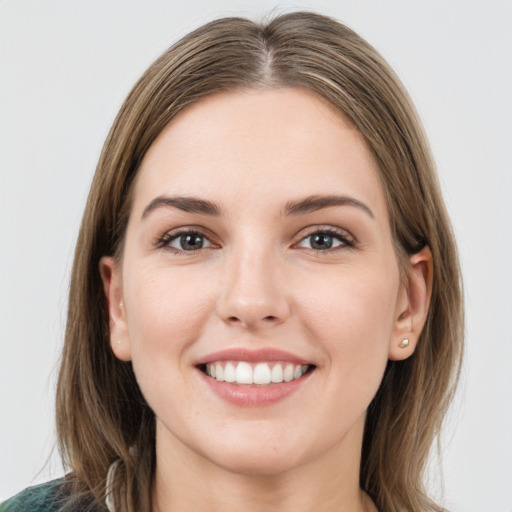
(404, 343)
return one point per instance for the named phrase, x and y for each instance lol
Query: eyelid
(177, 238)
(163, 241)
(347, 239)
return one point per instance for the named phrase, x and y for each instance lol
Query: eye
(326, 239)
(185, 241)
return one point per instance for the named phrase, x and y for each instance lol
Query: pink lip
(251, 356)
(254, 396)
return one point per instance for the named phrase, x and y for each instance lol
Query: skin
(258, 282)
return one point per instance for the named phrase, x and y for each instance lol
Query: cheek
(165, 312)
(165, 316)
(351, 317)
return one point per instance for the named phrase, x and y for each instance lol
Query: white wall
(65, 68)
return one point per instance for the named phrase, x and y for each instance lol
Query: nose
(253, 295)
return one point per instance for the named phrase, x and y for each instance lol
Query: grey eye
(189, 242)
(321, 241)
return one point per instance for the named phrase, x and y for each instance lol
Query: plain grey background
(65, 68)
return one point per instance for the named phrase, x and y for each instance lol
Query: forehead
(262, 145)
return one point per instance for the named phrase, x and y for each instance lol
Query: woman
(265, 307)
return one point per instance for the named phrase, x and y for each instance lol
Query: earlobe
(112, 286)
(413, 305)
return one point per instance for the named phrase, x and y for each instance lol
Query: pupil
(191, 242)
(322, 241)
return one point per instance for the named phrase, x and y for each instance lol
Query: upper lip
(252, 356)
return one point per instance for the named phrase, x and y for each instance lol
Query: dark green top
(39, 498)
(48, 497)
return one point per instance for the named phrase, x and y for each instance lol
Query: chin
(259, 453)
(260, 464)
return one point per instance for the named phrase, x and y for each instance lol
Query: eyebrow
(313, 203)
(303, 206)
(186, 204)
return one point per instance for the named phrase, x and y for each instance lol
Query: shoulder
(39, 498)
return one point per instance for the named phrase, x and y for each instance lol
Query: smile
(262, 373)
(254, 378)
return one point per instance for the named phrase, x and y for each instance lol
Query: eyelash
(346, 239)
(165, 241)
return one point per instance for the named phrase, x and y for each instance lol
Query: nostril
(250, 322)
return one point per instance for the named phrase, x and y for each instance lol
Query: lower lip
(254, 396)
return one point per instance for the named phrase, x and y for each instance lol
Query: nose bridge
(252, 292)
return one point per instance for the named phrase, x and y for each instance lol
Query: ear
(112, 285)
(412, 305)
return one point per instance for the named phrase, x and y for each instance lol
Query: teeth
(288, 373)
(262, 373)
(243, 373)
(277, 373)
(219, 371)
(210, 370)
(229, 372)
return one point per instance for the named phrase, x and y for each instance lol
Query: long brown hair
(101, 415)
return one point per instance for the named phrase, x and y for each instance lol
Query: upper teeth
(241, 372)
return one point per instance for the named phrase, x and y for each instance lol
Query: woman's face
(259, 289)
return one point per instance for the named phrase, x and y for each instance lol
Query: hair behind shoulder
(101, 414)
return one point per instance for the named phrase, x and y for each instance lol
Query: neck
(184, 481)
